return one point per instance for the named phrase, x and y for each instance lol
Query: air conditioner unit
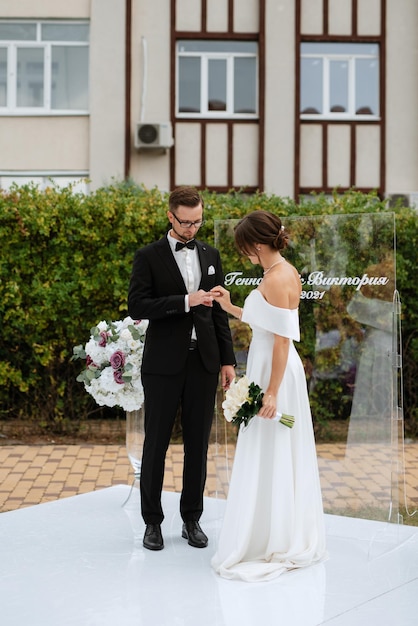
(413, 199)
(404, 199)
(157, 135)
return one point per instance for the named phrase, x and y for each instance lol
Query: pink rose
(117, 375)
(103, 341)
(117, 360)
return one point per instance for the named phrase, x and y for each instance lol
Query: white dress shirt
(189, 266)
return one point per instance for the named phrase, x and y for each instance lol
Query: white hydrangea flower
(110, 388)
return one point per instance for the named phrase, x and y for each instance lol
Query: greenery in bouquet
(243, 400)
(113, 358)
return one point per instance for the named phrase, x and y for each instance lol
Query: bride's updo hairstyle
(260, 227)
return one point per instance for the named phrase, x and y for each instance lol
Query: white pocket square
(211, 270)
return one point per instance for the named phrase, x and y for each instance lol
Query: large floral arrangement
(113, 358)
(243, 400)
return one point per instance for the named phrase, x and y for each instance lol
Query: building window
(78, 183)
(339, 80)
(217, 79)
(44, 67)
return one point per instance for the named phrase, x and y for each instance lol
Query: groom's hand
(200, 297)
(227, 376)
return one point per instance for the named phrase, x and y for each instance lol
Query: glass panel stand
(134, 444)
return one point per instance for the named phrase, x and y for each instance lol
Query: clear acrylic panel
(135, 435)
(348, 345)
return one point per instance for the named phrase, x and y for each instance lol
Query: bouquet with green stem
(244, 399)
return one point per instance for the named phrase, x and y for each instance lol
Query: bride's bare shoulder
(282, 288)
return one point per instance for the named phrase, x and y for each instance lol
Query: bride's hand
(268, 410)
(221, 295)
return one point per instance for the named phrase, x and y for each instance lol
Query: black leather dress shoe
(153, 539)
(194, 535)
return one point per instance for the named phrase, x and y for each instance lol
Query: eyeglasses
(184, 224)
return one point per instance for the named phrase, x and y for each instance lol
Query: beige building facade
(282, 96)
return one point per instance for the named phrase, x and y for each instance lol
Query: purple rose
(117, 375)
(103, 339)
(117, 360)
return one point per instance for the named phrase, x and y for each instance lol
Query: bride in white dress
(274, 517)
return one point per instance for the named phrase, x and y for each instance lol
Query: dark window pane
(371, 49)
(65, 32)
(367, 87)
(338, 97)
(70, 79)
(189, 85)
(311, 86)
(217, 46)
(217, 85)
(30, 77)
(3, 77)
(245, 85)
(10, 31)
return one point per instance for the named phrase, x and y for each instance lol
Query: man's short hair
(185, 196)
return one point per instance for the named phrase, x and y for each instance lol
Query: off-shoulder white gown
(274, 517)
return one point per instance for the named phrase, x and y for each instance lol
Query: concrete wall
(44, 143)
(402, 97)
(150, 86)
(280, 90)
(45, 9)
(107, 92)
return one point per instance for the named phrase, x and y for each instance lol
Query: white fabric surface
(274, 517)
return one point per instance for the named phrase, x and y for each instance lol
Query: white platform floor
(80, 562)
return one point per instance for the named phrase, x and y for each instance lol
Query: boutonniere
(211, 270)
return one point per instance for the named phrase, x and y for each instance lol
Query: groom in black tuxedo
(187, 344)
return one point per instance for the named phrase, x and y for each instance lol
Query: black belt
(193, 344)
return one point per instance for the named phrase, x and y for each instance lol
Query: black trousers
(194, 388)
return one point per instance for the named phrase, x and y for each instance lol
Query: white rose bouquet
(243, 400)
(113, 363)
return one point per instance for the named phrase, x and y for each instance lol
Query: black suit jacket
(156, 293)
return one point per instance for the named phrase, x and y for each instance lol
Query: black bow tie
(189, 244)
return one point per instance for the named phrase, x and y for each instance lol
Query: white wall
(280, 92)
(402, 97)
(45, 8)
(150, 90)
(107, 92)
(44, 143)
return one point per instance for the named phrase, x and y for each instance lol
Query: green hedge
(65, 265)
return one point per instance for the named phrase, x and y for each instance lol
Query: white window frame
(78, 180)
(350, 59)
(205, 58)
(12, 46)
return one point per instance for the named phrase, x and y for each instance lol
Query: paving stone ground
(351, 478)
